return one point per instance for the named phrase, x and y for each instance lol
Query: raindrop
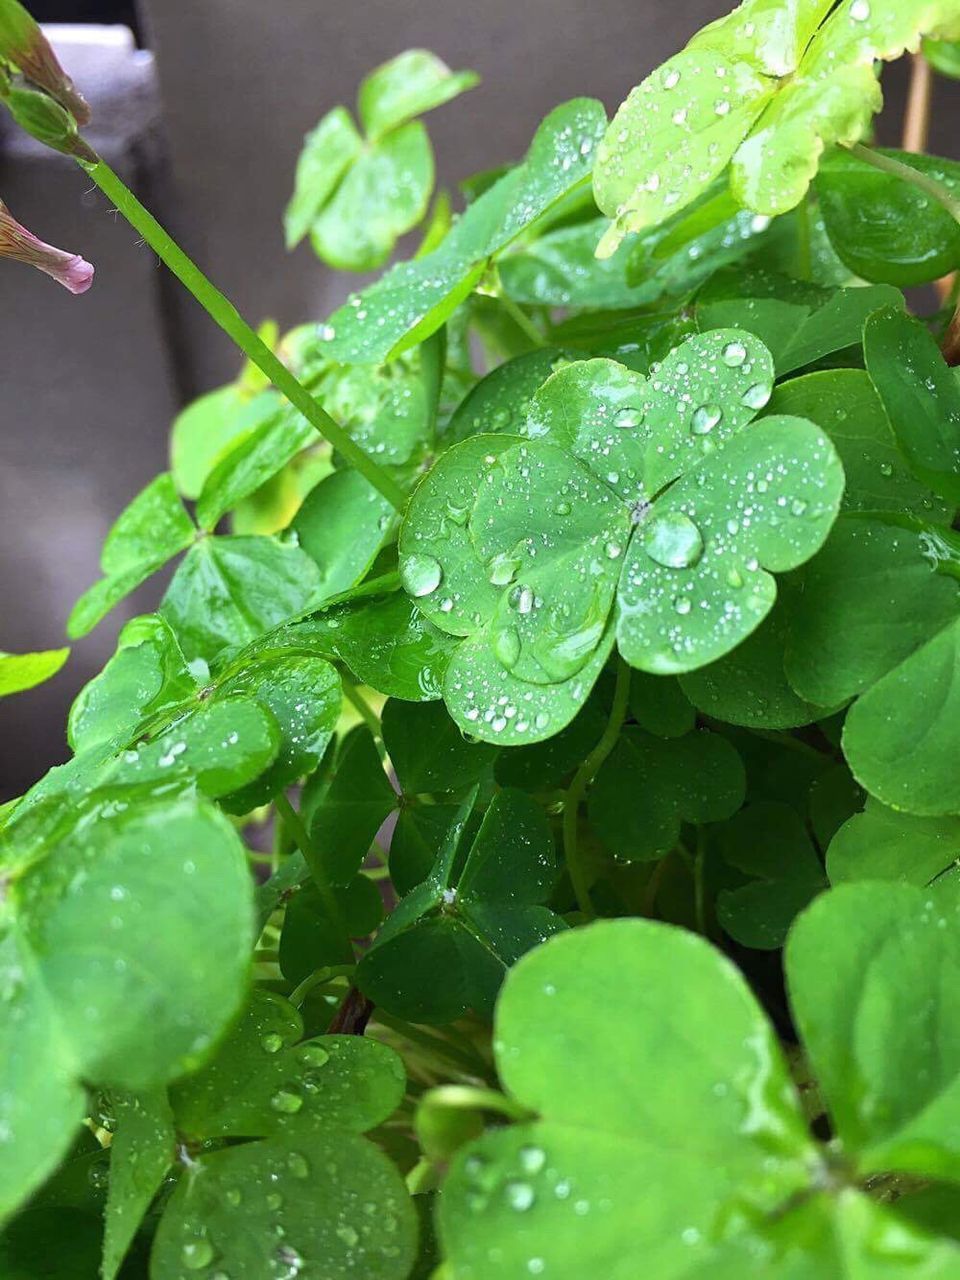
(532, 1159)
(519, 1195)
(521, 599)
(274, 1201)
(506, 646)
(348, 1235)
(197, 1255)
(232, 1197)
(287, 1101)
(272, 1042)
(298, 1165)
(502, 569)
(756, 397)
(421, 575)
(734, 579)
(628, 418)
(886, 469)
(671, 79)
(314, 1055)
(673, 540)
(613, 550)
(705, 418)
(682, 605)
(860, 10)
(734, 354)
(798, 506)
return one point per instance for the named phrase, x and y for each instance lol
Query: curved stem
(582, 779)
(222, 310)
(922, 181)
(522, 320)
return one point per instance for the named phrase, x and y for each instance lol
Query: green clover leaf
(357, 196)
(449, 943)
(884, 844)
(297, 1195)
(761, 90)
(153, 999)
(690, 1075)
(879, 621)
(647, 492)
(415, 298)
(141, 1152)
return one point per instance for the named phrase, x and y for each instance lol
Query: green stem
(432, 1043)
(295, 825)
(922, 181)
(225, 314)
(317, 979)
(582, 779)
(522, 321)
(361, 706)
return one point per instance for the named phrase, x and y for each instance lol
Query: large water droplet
(298, 1165)
(532, 1159)
(287, 1101)
(197, 1255)
(756, 397)
(506, 646)
(521, 599)
(314, 1055)
(420, 574)
(502, 569)
(628, 418)
(705, 418)
(673, 540)
(734, 354)
(519, 1195)
(860, 10)
(272, 1042)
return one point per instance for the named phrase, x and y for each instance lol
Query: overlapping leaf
(415, 298)
(142, 1005)
(21, 671)
(689, 1076)
(355, 196)
(764, 90)
(450, 941)
(643, 491)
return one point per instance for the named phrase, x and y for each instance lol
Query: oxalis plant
(524, 840)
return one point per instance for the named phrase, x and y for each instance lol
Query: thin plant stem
(582, 779)
(225, 314)
(522, 321)
(318, 978)
(295, 825)
(922, 181)
(361, 706)
(916, 120)
(432, 1043)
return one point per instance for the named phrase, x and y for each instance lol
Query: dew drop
(521, 599)
(756, 397)
(673, 540)
(532, 1159)
(502, 569)
(272, 1042)
(671, 79)
(274, 1201)
(734, 354)
(886, 469)
(682, 605)
(314, 1055)
(421, 575)
(348, 1235)
(705, 418)
(798, 506)
(628, 418)
(613, 550)
(860, 10)
(287, 1101)
(519, 1195)
(506, 646)
(197, 1255)
(298, 1165)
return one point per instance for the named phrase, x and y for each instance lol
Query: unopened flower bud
(24, 45)
(16, 242)
(47, 121)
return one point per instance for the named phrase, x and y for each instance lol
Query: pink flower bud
(23, 44)
(16, 242)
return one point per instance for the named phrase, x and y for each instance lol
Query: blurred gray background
(202, 108)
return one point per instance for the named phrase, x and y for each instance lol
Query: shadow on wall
(91, 384)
